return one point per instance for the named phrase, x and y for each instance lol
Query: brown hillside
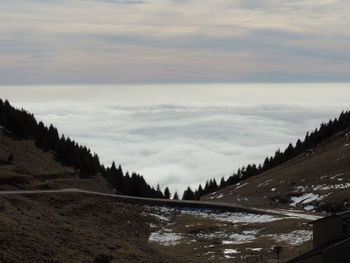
(318, 179)
(74, 228)
(32, 168)
(84, 227)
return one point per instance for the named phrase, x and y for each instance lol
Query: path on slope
(176, 203)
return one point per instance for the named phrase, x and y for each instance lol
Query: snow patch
(240, 186)
(295, 238)
(233, 217)
(257, 249)
(236, 239)
(309, 207)
(160, 217)
(330, 187)
(305, 199)
(292, 213)
(229, 251)
(337, 175)
(165, 237)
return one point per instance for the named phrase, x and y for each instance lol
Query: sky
(173, 41)
(183, 134)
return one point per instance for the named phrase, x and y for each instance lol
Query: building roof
(345, 216)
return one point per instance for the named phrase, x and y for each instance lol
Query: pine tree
(176, 196)
(188, 194)
(167, 194)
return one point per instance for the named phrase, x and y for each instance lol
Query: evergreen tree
(326, 130)
(176, 196)
(159, 193)
(20, 124)
(167, 194)
(188, 194)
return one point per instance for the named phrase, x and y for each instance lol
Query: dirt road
(177, 203)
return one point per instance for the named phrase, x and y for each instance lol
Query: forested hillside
(20, 125)
(325, 131)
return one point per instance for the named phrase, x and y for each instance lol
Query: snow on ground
(233, 217)
(211, 235)
(165, 237)
(305, 199)
(322, 187)
(240, 185)
(245, 237)
(152, 225)
(257, 249)
(160, 217)
(337, 175)
(292, 213)
(265, 183)
(230, 239)
(331, 187)
(294, 238)
(228, 252)
(214, 196)
(236, 239)
(309, 208)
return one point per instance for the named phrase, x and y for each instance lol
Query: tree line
(133, 184)
(22, 125)
(311, 139)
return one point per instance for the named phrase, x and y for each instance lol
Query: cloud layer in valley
(103, 41)
(196, 133)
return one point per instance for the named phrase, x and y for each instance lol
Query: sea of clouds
(179, 142)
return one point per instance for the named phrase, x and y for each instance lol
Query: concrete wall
(328, 230)
(336, 254)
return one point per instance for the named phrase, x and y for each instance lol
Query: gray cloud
(104, 41)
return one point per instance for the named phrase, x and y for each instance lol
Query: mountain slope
(32, 168)
(65, 227)
(82, 227)
(318, 179)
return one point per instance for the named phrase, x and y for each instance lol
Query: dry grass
(202, 239)
(34, 169)
(74, 228)
(319, 168)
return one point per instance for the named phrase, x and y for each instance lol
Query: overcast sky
(108, 41)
